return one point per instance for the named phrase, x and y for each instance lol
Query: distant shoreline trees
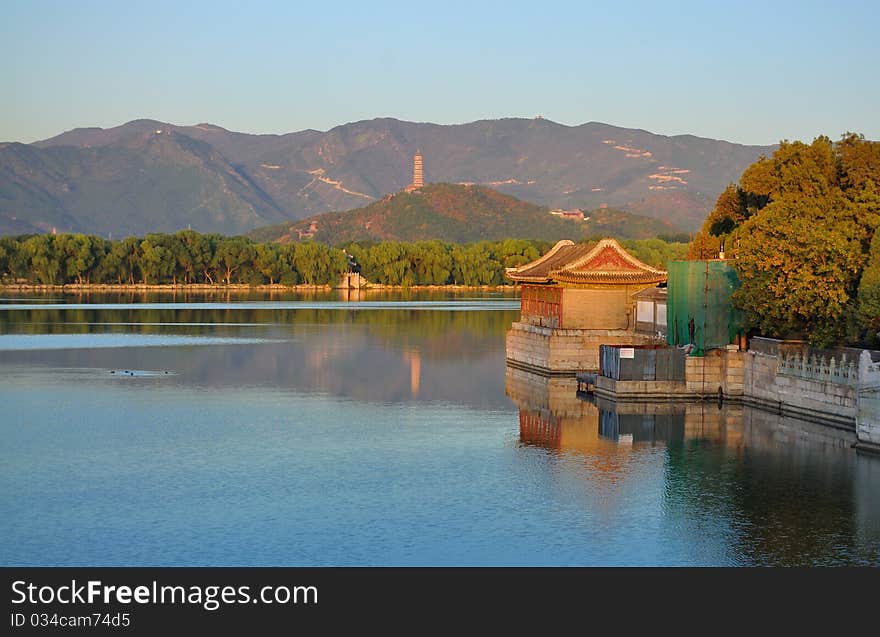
(188, 257)
(185, 257)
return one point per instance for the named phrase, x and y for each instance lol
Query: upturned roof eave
(568, 272)
(511, 273)
(528, 279)
(607, 278)
(620, 250)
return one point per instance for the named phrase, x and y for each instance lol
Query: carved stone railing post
(869, 371)
(862, 372)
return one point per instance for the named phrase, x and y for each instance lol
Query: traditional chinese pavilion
(573, 299)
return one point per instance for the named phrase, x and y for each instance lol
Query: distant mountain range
(459, 214)
(148, 176)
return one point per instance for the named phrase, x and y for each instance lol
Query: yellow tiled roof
(606, 262)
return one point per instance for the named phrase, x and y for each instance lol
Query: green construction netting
(699, 309)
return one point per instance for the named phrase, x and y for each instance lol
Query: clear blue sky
(750, 72)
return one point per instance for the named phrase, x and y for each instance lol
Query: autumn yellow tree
(799, 262)
(800, 226)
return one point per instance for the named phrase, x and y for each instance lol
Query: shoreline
(234, 287)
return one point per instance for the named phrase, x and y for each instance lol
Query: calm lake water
(311, 430)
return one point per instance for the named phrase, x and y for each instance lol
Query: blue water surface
(322, 433)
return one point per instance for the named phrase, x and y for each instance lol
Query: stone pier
(562, 352)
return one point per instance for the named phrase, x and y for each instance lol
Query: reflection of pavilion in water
(553, 417)
(755, 471)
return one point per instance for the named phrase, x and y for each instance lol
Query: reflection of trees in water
(246, 294)
(396, 354)
(785, 502)
(341, 360)
(778, 491)
(434, 333)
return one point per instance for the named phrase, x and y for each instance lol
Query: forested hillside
(460, 214)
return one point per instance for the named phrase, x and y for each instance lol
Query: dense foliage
(801, 228)
(439, 263)
(183, 257)
(189, 257)
(869, 292)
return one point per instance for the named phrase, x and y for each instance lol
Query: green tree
(43, 258)
(869, 295)
(99, 248)
(799, 261)
(231, 255)
(77, 254)
(729, 212)
(202, 251)
(176, 255)
(16, 261)
(431, 263)
(859, 162)
(800, 226)
(269, 262)
(473, 265)
(515, 252)
(386, 263)
(129, 253)
(656, 252)
(289, 275)
(186, 261)
(4, 258)
(317, 264)
(112, 268)
(156, 260)
(704, 246)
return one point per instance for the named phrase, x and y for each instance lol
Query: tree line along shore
(188, 258)
(207, 288)
(799, 229)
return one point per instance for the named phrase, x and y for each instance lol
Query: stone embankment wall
(561, 351)
(724, 369)
(776, 384)
(639, 391)
(811, 387)
(868, 423)
(839, 389)
(815, 388)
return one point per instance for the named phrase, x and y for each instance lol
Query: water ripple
(18, 342)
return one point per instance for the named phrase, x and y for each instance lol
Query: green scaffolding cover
(699, 308)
